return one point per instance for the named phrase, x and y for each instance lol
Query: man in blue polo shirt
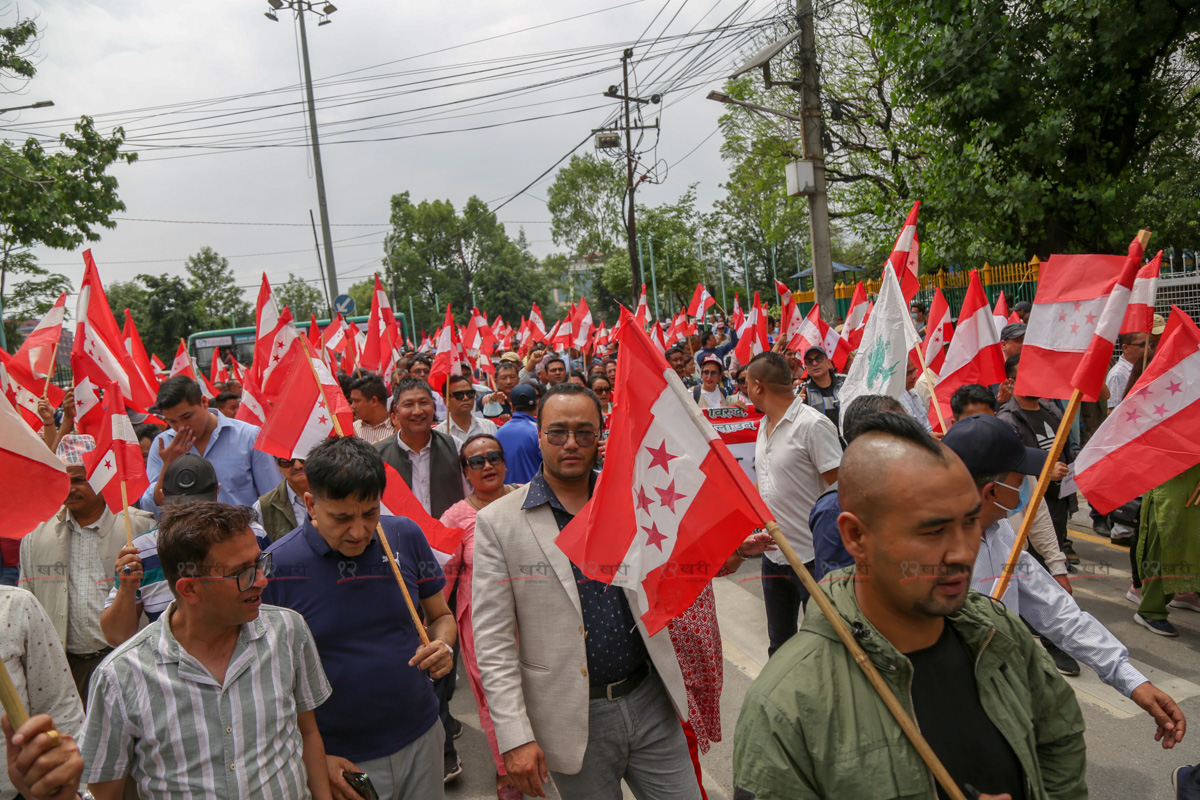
(382, 718)
(519, 436)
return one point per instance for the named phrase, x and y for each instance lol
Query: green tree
(509, 284)
(222, 303)
(585, 201)
(301, 297)
(672, 231)
(171, 313)
(1043, 127)
(34, 291)
(361, 294)
(58, 200)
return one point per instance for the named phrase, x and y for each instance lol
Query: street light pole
(746, 267)
(653, 276)
(301, 7)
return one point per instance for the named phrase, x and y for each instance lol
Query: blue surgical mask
(1024, 493)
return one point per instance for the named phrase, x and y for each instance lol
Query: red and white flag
(736, 317)
(1073, 296)
(35, 482)
(657, 338)
(35, 356)
(314, 400)
(643, 312)
(274, 333)
(447, 358)
(399, 501)
(856, 317)
(904, 255)
(333, 338)
(1154, 434)
(182, 365)
(581, 325)
(538, 324)
(117, 458)
(98, 352)
(787, 309)
(702, 301)
(938, 332)
(671, 503)
(376, 352)
(816, 332)
(752, 334)
(1000, 313)
(24, 392)
(974, 353)
(1089, 375)
(1139, 316)
(218, 370)
(160, 369)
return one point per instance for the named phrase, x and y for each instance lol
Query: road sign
(344, 305)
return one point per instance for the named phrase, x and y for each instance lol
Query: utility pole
(631, 225)
(609, 139)
(813, 127)
(301, 7)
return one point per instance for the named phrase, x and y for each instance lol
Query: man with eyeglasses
(282, 510)
(141, 587)
(217, 697)
(581, 690)
(383, 718)
(461, 423)
(821, 390)
(1133, 350)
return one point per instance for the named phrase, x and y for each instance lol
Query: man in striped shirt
(216, 698)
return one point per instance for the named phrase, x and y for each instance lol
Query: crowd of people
(254, 640)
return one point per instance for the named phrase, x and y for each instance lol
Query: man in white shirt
(67, 561)
(796, 459)
(368, 401)
(461, 423)
(1133, 349)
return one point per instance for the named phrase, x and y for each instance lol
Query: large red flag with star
(1154, 434)
(305, 420)
(117, 458)
(671, 503)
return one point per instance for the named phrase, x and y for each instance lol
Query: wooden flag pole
(1039, 491)
(860, 657)
(932, 391)
(864, 662)
(17, 715)
(50, 374)
(387, 547)
(1194, 498)
(128, 524)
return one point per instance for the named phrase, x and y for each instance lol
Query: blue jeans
(784, 596)
(637, 737)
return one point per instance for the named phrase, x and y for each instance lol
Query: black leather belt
(615, 691)
(91, 656)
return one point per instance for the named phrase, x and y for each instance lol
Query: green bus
(241, 341)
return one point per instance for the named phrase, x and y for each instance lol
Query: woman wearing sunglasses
(602, 387)
(482, 460)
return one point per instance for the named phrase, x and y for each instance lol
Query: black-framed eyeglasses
(286, 463)
(492, 457)
(465, 394)
(558, 436)
(246, 577)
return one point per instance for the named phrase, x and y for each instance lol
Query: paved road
(1123, 759)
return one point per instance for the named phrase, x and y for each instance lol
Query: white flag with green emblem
(881, 361)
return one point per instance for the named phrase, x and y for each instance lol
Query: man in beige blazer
(574, 684)
(67, 562)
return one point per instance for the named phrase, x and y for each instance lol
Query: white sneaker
(1134, 595)
(1187, 600)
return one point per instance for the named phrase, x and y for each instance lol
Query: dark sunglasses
(814, 359)
(741, 380)
(285, 463)
(602, 390)
(465, 394)
(493, 457)
(558, 436)
(711, 372)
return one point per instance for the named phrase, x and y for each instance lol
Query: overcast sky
(111, 59)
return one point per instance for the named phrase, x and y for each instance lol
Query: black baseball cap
(188, 478)
(988, 446)
(1024, 305)
(523, 397)
(1013, 330)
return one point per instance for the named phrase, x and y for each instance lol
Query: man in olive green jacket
(989, 701)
